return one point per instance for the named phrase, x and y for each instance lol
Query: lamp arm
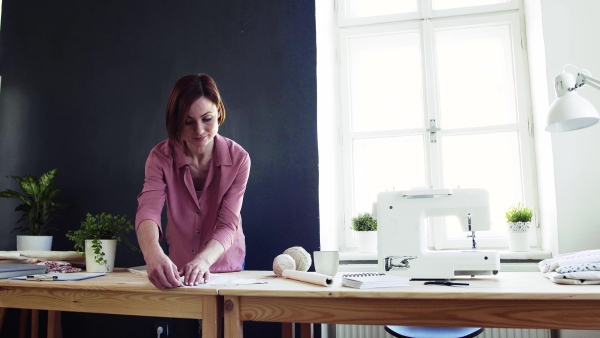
(586, 79)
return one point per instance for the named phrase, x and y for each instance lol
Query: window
(434, 93)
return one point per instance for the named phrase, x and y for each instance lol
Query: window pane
(366, 8)
(385, 82)
(476, 78)
(447, 4)
(489, 161)
(385, 164)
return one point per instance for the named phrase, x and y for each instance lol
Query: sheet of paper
(224, 280)
(216, 279)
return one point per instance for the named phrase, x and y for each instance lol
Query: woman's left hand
(196, 271)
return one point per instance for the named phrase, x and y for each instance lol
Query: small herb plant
(364, 222)
(99, 227)
(519, 213)
(38, 202)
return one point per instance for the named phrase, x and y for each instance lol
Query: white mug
(326, 262)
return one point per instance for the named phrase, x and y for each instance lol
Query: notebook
(369, 280)
(8, 270)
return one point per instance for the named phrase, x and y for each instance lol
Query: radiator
(374, 331)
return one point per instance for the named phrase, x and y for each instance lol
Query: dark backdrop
(84, 86)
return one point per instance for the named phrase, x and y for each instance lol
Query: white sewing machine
(402, 237)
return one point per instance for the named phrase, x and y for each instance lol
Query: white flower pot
(109, 247)
(367, 241)
(518, 236)
(42, 243)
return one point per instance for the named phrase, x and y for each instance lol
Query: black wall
(84, 88)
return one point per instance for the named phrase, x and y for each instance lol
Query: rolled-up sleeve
(152, 198)
(229, 214)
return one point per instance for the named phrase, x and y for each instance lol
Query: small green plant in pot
(364, 222)
(519, 213)
(366, 229)
(518, 219)
(38, 205)
(98, 236)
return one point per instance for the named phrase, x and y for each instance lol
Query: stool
(433, 331)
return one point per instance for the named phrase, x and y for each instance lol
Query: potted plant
(38, 207)
(518, 219)
(97, 239)
(366, 229)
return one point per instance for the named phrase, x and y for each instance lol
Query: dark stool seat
(433, 331)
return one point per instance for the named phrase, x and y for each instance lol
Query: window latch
(432, 130)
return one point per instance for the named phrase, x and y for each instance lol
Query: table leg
(212, 314)
(2, 315)
(233, 322)
(23, 323)
(306, 330)
(287, 330)
(35, 327)
(54, 324)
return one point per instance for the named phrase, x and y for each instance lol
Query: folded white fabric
(577, 278)
(578, 268)
(582, 257)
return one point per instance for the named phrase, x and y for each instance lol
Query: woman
(202, 177)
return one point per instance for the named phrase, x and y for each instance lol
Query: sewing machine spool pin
(472, 235)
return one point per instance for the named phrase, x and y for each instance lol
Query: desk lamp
(570, 111)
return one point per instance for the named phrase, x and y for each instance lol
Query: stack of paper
(370, 280)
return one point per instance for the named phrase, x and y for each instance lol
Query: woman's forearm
(212, 252)
(148, 239)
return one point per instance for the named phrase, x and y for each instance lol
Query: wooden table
(122, 293)
(508, 300)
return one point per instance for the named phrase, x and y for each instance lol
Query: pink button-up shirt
(193, 221)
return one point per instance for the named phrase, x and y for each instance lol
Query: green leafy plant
(38, 205)
(519, 213)
(99, 227)
(364, 222)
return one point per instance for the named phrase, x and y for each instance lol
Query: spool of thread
(283, 262)
(300, 256)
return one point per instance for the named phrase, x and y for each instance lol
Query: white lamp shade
(570, 112)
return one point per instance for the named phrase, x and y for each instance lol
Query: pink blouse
(193, 221)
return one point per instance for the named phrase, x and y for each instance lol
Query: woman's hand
(162, 272)
(197, 270)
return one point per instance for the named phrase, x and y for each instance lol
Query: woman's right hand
(162, 272)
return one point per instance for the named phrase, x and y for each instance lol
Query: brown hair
(184, 93)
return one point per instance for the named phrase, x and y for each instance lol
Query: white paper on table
(225, 280)
(215, 279)
(309, 277)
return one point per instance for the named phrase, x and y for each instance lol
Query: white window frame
(425, 20)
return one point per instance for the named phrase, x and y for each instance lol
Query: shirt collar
(221, 154)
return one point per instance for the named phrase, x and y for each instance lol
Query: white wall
(569, 37)
(569, 29)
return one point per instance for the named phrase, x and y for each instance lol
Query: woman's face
(201, 124)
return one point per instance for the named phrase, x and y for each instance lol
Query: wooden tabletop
(504, 286)
(517, 300)
(116, 293)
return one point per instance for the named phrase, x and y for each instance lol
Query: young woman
(202, 177)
